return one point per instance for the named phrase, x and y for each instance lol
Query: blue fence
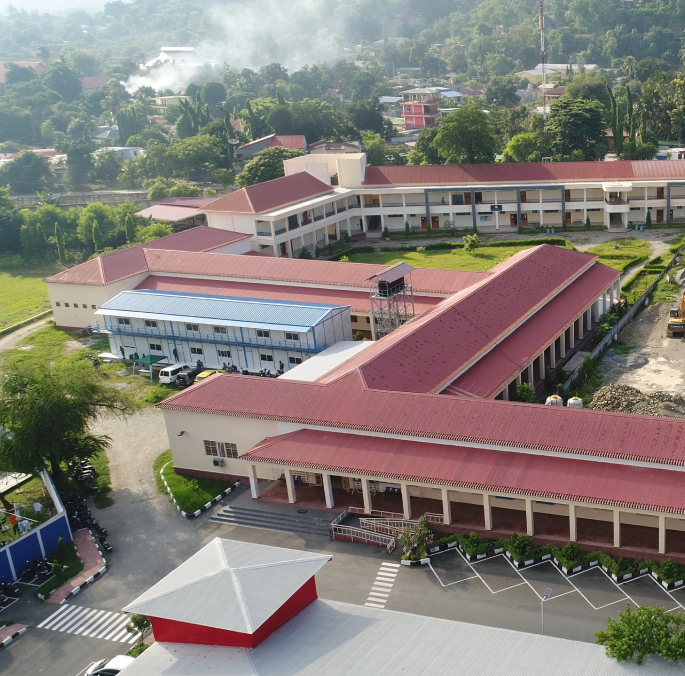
(41, 541)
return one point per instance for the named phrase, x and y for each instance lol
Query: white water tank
(554, 400)
(575, 402)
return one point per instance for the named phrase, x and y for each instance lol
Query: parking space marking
(679, 606)
(9, 605)
(435, 572)
(382, 585)
(592, 605)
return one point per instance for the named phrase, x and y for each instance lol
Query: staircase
(259, 518)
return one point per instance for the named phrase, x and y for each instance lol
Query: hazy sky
(52, 6)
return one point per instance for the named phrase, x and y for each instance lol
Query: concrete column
(406, 501)
(542, 366)
(505, 393)
(530, 521)
(572, 523)
(572, 335)
(581, 332)
(328, 491)
(562, 346)
(530, 375)
(254, 482)
(446, 507)
(617, 528)
(487, 508)
(290, 484)
(366, 493)
(519, 380)
(588, 314)
(553, 354)
(662, 534)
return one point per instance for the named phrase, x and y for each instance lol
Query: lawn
(189, 493)
(22, 295)
(622, 253)
(482, 258)
(25, 495)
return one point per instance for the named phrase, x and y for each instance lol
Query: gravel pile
(625, 399)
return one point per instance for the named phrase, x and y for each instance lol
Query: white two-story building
(323, 196)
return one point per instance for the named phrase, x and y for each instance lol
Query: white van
(170, 373)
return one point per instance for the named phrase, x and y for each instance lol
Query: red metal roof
(426, 354)
(357, 300)
(296, 142)
(348, 404)
(301, 271)
(270, 195)
(504, 362)
(117, 265)
(527, 172)
(555, 478)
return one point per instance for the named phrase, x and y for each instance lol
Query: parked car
(169, 373)
(205, 374)
(185, 378)
(110, 666)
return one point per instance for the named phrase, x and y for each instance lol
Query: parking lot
(493, 591)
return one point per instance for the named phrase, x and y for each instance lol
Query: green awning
(149, 360)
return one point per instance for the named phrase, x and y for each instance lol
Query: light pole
(545, 596)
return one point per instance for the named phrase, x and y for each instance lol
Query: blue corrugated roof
(218, 308)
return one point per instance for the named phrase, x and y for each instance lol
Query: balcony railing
(213, 338)
(330, 213)
(616, 201)
(280, 231)
(306, 221)
(264, 233)
(341, 209)
(319, 217)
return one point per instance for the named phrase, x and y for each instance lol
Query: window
(224, 353)
(66, 305)
(295, 360)
(192, 327)
(220, 329)
(266, 357)
(124, 321)
(58, 304)
(263, 334)
(195, 350)
(76, 305)
(85, 307)
(211, 448)
(155, 347)
(368, 320)
(353, 318)
(93, 307)
(227, 450)
(151, 323)
(292, 336)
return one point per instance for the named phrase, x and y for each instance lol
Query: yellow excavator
(676, 320)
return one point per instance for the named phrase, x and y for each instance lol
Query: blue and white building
(245, 332)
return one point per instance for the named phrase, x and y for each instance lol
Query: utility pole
(543, 59)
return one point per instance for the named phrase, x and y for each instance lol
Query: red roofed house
(247, 151)
(36, 66)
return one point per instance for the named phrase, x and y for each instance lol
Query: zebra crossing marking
(382, 585)
(91, 622)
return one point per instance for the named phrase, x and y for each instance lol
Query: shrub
(471, 242)
(305, 253)
(525, 393)
(570, 556)
(669, 571)
(520, 547)
(473, 544)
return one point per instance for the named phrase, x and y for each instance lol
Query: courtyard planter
(529, 562)
(668, 585)
(627, 576)
(576, 569)
(443, 546)
(420, 562)
(480, 557)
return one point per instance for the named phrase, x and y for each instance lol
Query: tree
(526, 394)
(29, 173)
(131, 121)
(47, 411)
(305, 253)
(63, 80)
(642, 632)
(79, 162)
(108, 165)
(648, 219)
(139, 624)
(366, 116)
(501, 91)
(266, 165)
(466, 137)
(59, 239)
(424, 151)
(376, 149)
(577, 125)
(158, 191)
(16, 74)
(213, 93)
(471, 243)
(130, 228)
(522, 148)
(225, 177)
(97, 237)
(199, 153)
(182, 189)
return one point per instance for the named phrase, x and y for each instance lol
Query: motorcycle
(8, 588)
(105, 545)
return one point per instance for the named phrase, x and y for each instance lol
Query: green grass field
(22, 295)
(622, 253)
(482, 258)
